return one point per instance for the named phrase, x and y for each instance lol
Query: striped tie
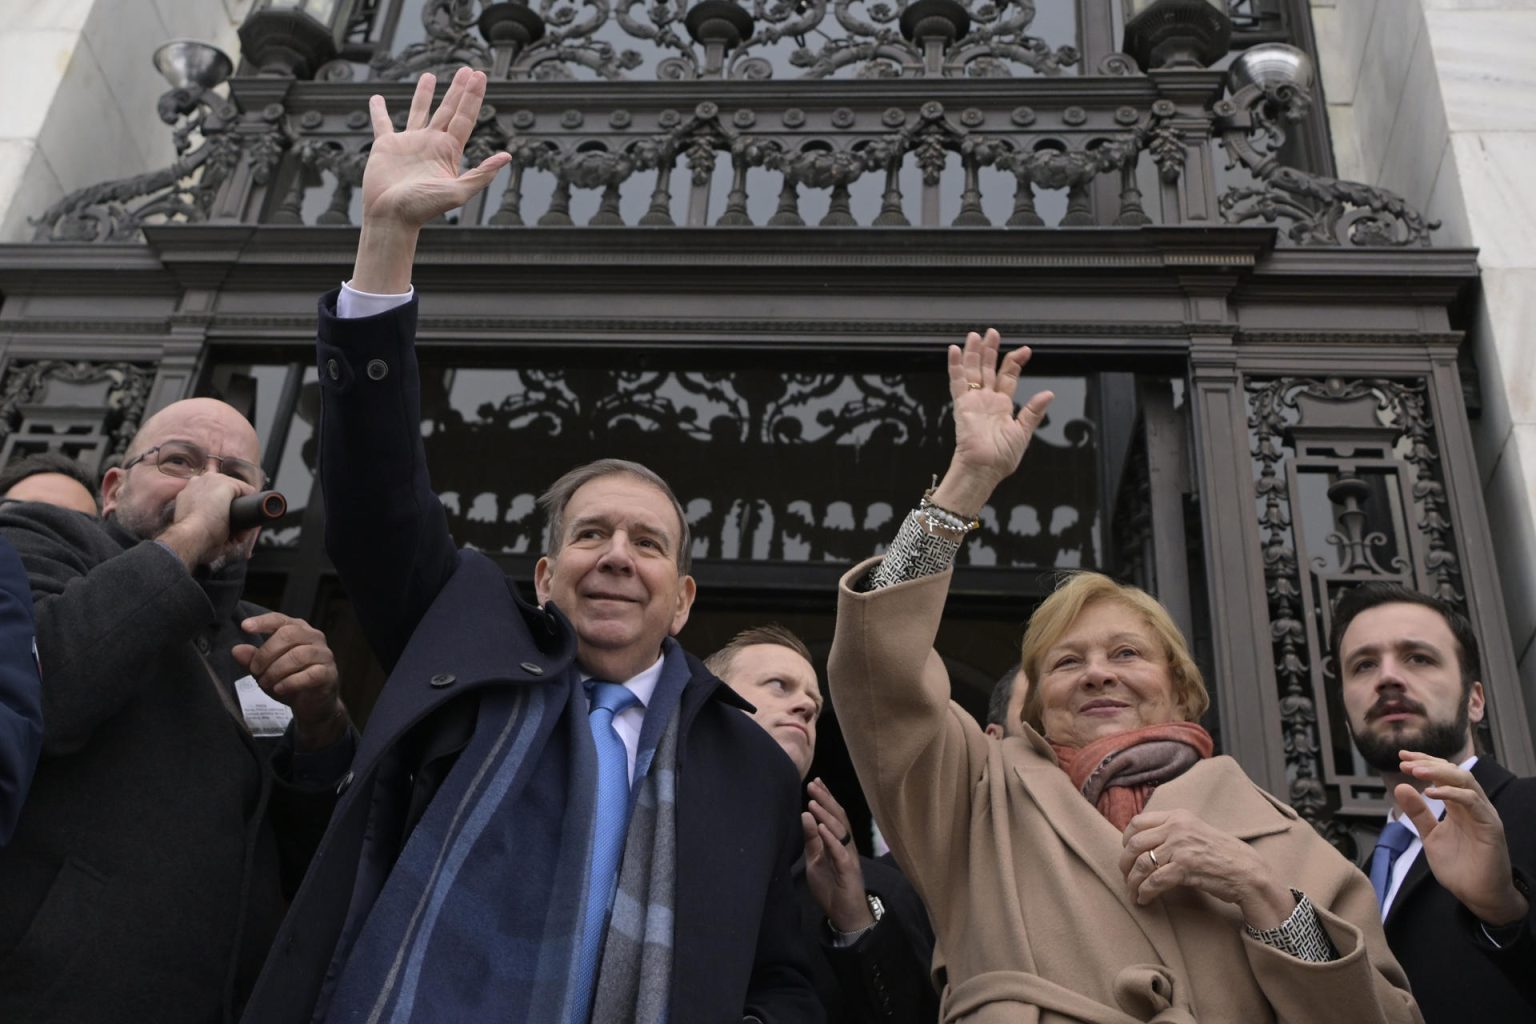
(609, 827)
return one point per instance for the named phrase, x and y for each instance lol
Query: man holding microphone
(192, 742)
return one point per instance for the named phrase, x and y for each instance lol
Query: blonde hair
(1075, 594)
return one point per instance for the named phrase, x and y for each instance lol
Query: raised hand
(990, 438)
(414, 175)
(1466, 849)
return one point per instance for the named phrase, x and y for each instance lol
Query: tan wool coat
(1020, 873)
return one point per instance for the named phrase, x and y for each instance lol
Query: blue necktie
(1394, 839)
(611, 824)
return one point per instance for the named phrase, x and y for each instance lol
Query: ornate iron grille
(675, 40)
(87, 411)
(1348, 489)
(770, 466)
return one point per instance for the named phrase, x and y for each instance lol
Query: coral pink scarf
(1118, 773)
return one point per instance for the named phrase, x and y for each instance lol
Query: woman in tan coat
(1103, 867)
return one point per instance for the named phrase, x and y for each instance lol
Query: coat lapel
(452, 653)
(1221, 794)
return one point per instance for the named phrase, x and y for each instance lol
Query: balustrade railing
(1118, 148)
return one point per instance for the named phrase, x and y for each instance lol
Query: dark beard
(1441, 739)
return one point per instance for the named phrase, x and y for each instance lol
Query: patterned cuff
(1301, 935)
(917, 551)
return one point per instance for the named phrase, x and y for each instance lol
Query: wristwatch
(876, 910)
(876, 906)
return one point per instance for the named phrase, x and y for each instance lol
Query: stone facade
(1436, 99)
(80, 92)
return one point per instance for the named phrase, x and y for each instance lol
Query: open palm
(1467, 849)
(990, 438)
(414, 175)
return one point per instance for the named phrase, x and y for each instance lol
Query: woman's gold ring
(1152, 856)
(974, 386)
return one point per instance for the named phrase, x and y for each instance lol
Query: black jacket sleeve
(21, 699)
(385, 529)
(131, 602)
(884, 975)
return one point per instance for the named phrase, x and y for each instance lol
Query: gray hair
(554, 501)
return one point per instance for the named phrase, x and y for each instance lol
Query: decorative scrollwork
(1392, 436)
(782, 447)
(1320, 211)
(451, 42)
(867, 38)
(1268, 402)
(114, 211)
(125, 390)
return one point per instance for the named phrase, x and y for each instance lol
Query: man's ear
(686, 592)
(111, 488)
(994, 730)
(1477, 704)
(543, 573)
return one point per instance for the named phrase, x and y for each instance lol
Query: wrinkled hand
(295, 666)
(199, 533)
(1466, 850)
(1192, 853)
(832, 867)
(413, 176)
(990, 438)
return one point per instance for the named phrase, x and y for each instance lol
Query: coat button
(202, 645)
(345, 783)
(441, 679)
(333, 369)
(377, 369)
(531, 668)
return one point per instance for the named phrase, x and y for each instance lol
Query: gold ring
(974, 386)
(1152, 856)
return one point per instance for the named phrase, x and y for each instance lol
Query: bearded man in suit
(1454, 864)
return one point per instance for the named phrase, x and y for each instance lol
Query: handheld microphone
(257, 509)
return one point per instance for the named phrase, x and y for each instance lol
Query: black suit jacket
(154, 856)
(883, 978)
(450, 625)
(1457, 975)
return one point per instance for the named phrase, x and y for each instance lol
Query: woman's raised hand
(990, 438)
(413, 175)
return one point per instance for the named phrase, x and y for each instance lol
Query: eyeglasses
(185, 460)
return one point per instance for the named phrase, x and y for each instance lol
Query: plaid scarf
(634, 979)
(1118, 773)
(480, 918)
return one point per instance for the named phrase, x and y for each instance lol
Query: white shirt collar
(643, 686)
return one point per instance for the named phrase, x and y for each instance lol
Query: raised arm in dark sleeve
(384, 527)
